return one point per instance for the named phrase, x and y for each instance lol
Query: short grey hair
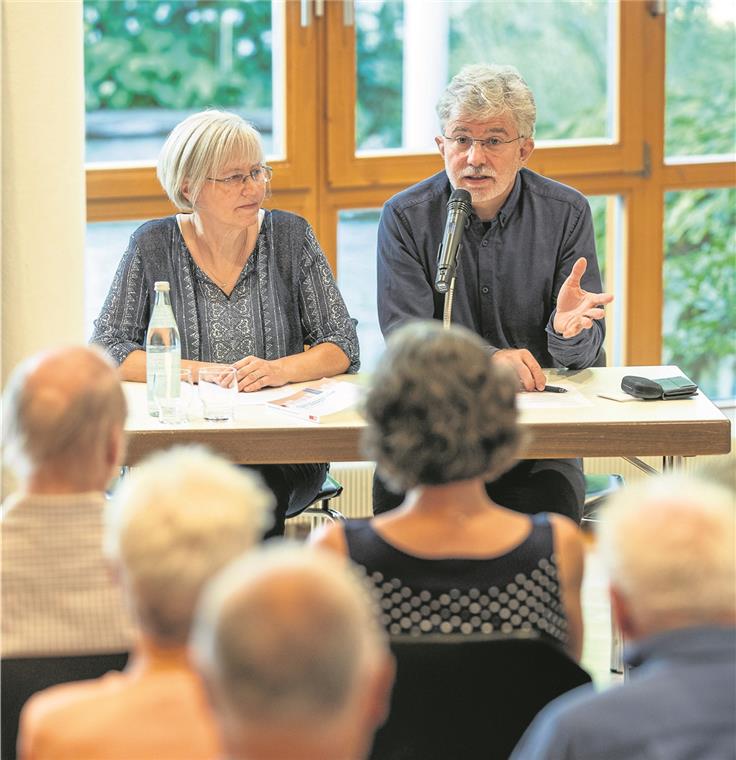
(438, 410)
(287, 634)
(199, 147)
(668, 544)
(59, 406)
(484, 91)
(174, 522)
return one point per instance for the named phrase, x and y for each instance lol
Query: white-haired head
(289, 643)
(485, 91)
(174, 522)
(669, 544)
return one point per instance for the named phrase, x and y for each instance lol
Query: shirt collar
(683, 643)
(511, 202)
(509, 205)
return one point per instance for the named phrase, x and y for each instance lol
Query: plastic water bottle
(163, 352)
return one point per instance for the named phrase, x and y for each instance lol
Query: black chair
(459, 697)
(22, 677)
(321, 504)
(597, 489)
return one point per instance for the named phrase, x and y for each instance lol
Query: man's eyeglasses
(463, 143)
(259, 174)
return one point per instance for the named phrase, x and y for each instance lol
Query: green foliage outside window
(182, 54)
(699, 332)
(379, 39)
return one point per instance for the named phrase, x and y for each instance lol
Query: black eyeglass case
(662, 388)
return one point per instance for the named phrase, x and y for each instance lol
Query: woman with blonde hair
(250, 287)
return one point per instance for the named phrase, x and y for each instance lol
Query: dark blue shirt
(509, 273)
(679, 704)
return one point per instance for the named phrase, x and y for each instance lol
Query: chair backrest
(600, 360)
(21, 677)
(469, 696)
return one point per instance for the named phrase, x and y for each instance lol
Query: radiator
(357, 479)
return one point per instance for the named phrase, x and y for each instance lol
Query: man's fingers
(525, 376)
(601, 298)
(578, 270)
(595, 313)
(535, 371)
(530, 373)
(577, 325)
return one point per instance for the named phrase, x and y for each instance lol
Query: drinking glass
(175, 411)
(218, 389)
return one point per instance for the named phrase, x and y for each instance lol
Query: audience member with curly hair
(443, 421)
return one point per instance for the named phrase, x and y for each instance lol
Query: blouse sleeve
(121, 326)
(324, 316)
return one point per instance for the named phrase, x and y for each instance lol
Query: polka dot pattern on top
(517, 591)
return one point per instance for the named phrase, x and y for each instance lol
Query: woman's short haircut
(438, 410)
(485, 91)
(200, 147)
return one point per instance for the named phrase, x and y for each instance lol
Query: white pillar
(42, 181)
(426, 52)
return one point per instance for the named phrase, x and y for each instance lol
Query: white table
(596, 427)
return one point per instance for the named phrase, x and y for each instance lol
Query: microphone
(458, 211)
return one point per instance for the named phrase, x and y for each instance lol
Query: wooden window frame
(322, 176)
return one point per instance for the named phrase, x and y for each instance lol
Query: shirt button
(485, 242)
(484, 289)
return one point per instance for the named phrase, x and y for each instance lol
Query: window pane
(407, 51)
(699, 320)
(150, 63)
(356, 278)
(701, 78)
(106, 242)
(356, 273)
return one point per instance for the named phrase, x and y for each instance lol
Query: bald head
(62, 410)
(288, 641)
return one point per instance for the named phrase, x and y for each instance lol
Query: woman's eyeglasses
(259, 174)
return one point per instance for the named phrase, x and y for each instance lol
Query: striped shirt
(58, 596)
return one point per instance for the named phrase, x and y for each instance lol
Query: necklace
(235, 267)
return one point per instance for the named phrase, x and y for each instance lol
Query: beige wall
(42, 186)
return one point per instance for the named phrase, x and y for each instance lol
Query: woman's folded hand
(255, 374)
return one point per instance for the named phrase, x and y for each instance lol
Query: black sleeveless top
(508, 593)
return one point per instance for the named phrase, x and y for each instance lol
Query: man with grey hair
(295, 661)
(527, 277)
(669, 546)
(62, 614)
(175, 521)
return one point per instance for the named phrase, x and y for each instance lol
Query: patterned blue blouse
(285, 297)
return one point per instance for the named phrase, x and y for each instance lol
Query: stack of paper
(318, 400)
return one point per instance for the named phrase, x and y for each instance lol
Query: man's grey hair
(287, 635)
(199, 148)
(485, 91)
(668, 544)
(438, 410)
(174, 522)
(59, 406)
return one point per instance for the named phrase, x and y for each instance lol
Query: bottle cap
(161, 285)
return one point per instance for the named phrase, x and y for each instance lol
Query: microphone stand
(447, 312)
